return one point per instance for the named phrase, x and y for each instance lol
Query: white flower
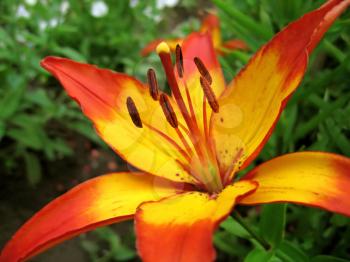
(166, 3)
(53, 22)
(20, 38)
(148, 11)
(22, 12)
(42, 25)
(31, 2)
(64, 7)
(99, 9)
(134, 3)
(157, 18)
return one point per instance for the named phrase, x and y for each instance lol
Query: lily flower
(210, 24)
(189, 146)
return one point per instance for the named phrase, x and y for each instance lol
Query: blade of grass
(244, 20)
(337, 137)
(333, 50)
(307, 127)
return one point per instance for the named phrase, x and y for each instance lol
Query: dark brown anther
(209, 94)
(179, 61)
(168, 110)
(203, 70)
(134, 114)
(153, 84)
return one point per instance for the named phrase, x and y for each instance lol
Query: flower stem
(252, 233)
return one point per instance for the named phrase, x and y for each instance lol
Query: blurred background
(47, 146)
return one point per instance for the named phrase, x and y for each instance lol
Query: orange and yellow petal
(309, 178)
(102, 95)
(200, 45)
(100, 201)
(250, 107)
(151, 47)
(211, 24)
(180, 228)
(231, 45)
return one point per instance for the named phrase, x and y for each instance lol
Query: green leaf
(2, 129)
(334, 51)
(233, 227)
(11, 101)
(324, 113)
(86, 130)
(335, 133)
(288, 121)
(272, 223)
(41, 98)
(6, 38)
(266, 19)
(117, 250)
(340, 220)
(30, 137)
(241, 56)
(258, 255)
(33, 168)
(324, 258)
(70, 53)
(290, 252)
(243, 19)
(25, 120)
(221, 243)
(91, 248)
(58, 146)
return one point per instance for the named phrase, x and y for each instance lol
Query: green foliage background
(36, 115)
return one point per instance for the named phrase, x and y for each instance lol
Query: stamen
(189, 102)
(133, 112)
(205, 119)
(192, 173)
(172, 119)
(184, 129)
(203, 70)
(179, 61)
(164, 54)
(209, 94)
(168, 110)
(180, 72)
(171, 141)
(184, 142)
(153, 84)
(208, 140)
(163, 51)
(228, 172)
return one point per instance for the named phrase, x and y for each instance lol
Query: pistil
(164, 54)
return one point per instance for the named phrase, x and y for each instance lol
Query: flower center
(198, 149)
